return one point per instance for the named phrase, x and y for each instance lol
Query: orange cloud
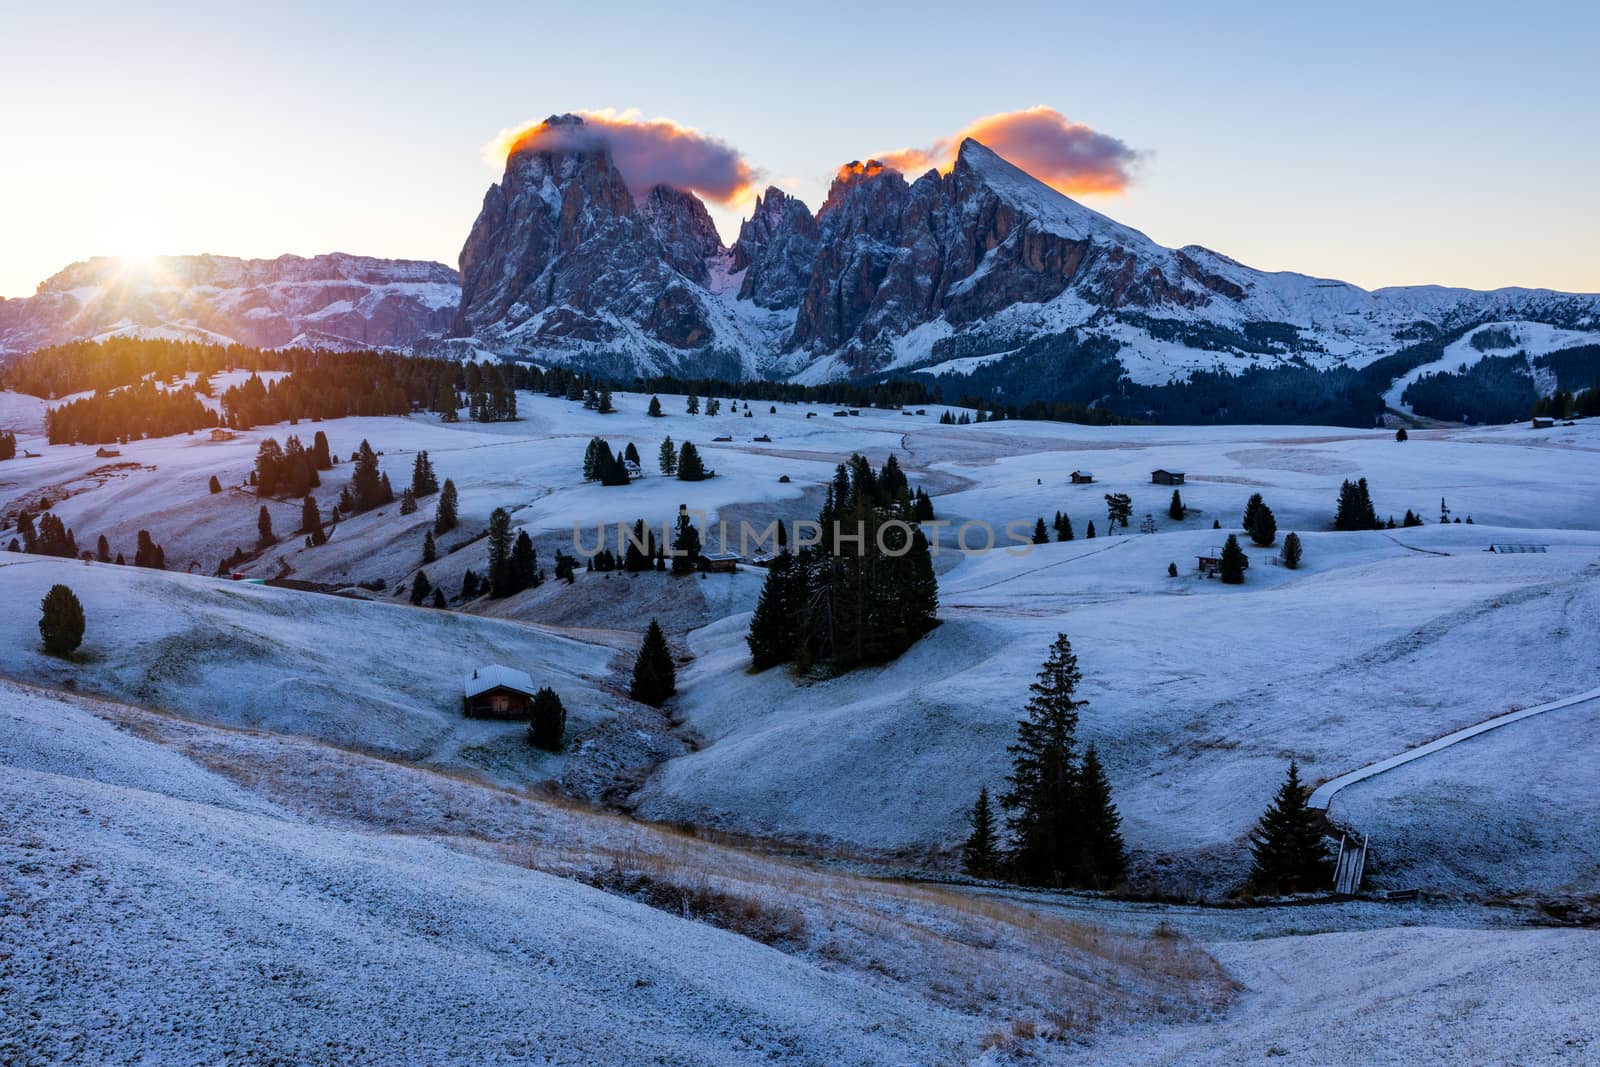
(1066, 155)
(647, 152)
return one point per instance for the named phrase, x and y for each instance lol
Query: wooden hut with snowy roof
(496, 692)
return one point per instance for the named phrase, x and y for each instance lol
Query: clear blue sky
(1384, 144)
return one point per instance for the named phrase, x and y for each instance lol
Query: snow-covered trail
(1323, 795)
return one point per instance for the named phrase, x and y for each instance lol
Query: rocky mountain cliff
(330, 301)
(938, 274)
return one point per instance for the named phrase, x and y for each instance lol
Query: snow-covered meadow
(275, 729)
(1199, 693)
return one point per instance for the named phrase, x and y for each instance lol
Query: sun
(135, 245)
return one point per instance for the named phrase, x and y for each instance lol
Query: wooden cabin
(219, 434)
(496, 692)
(107, 453)
(724, 437)
(1082, 477)
(1167, 477)
(1213, 564)
(1540, 423)
(719, 562)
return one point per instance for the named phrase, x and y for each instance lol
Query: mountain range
(332, 301)
(981, 276)
(940, 273)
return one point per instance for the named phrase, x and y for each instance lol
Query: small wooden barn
(219, 434)
(1540, 423)
(719, 562)
(1082, 477)
(1167, 477)
(496, 692)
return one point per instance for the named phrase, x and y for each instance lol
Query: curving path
(1323, 795)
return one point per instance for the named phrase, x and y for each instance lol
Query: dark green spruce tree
(1042, 803)
(1287, 851)
(655, 678)
(980, 853)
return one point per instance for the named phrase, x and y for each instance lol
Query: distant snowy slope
(329, 301)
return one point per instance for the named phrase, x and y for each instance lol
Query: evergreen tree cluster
(1064, 827)
(865, 594)
(688, 466)
(50, 537)
(1355, 511)
(142, 410)
(1259, 522)
(8, 445)
(290, 469)
(601, 464)
(1062, 525)
(513, 561)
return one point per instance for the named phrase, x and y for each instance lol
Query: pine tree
(1089, 533)
(319, 452)
(690, 467)
(438, 597)
(368, 485)
(500, 578)
(430, 551)
(408, 502)
(311, 522)
(1172, 570)
(445, 516)
(1291, 551)
(1064, 527)
(547, 721)
(1041, 535)
(603, 406)
(564, 567)
(1118, 507)
(694, 404)
(420, 588)
(1042, 801)
(1288, 854)
(61, 621)
(980, 853)
(215, 486)
(102, 550)
(424, 482)
(1355, 511)
(1175, 509)
(772, 637)
(654, 410)
(685, 545)
(1251, 510)
(524, 563)
(1104, 860)
(1264, 530)
(1234, 562)
(469, 586)
(1400, 434)
(654, 675)
(667, 457)
(264, 528)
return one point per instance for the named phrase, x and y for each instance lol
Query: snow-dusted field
(388, 912)
(1199, 693)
